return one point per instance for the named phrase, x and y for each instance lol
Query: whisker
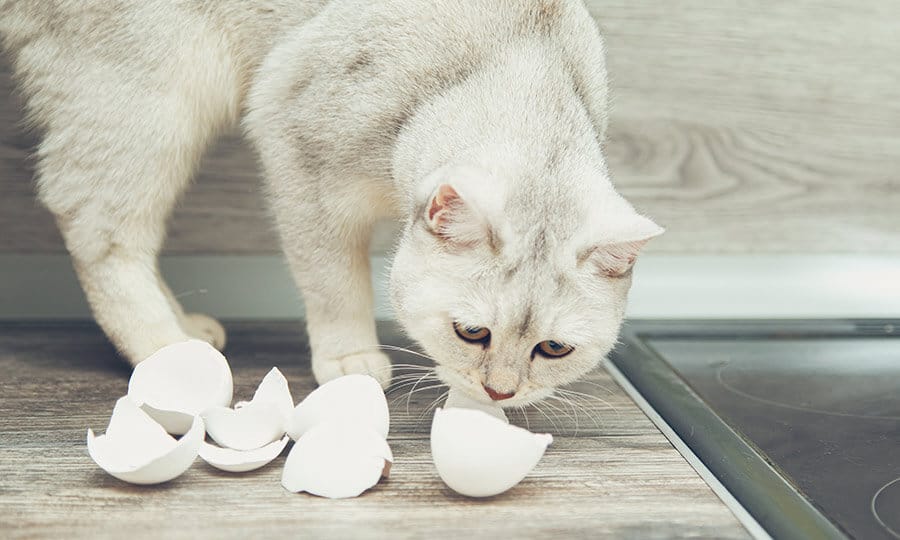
(190, 293)
(540, 410)
(576, 408)
(525, 416)
(410, 383)
(433, 405)
(422, 389)
(595, 384)
(405, 350)
(586, 398)
(556, 410)
(413, 391)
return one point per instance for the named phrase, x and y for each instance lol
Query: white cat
(480, 124)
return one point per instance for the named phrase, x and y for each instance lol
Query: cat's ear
(615, 257)
(452, 218)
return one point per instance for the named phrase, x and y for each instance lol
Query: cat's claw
(205, 328)
(376, 364)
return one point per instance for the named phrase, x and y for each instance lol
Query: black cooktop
(800, 421)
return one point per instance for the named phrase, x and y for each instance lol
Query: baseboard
(665, 287)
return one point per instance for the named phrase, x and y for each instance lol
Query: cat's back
(138, 33)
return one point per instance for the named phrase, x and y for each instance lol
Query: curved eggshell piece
(180, 381)
(479, 455)
(136, 449)
(236, 461)
(350, 399)
(252, 426)
(337, 460)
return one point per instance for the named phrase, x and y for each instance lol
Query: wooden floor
(610, 474)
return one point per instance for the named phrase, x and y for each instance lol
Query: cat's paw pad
(376, 364)
(205, 328)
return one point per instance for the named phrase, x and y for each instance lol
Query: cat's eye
(553, 349)
(472, 334)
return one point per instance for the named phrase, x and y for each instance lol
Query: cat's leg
(114, 159)
(325, 234)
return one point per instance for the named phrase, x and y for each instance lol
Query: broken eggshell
(478, 455)
(337, 460)
(180, 381)
(136, 449)
(352, 398)
(231, 460)
(461, 400)
(256, 423)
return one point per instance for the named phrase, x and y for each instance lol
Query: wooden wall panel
(742, 127)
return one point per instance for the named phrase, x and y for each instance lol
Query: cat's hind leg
(121, 141)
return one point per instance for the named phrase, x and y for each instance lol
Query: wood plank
(613, 476)
(771, 127)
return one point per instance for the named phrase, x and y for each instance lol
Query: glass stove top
(800, 421)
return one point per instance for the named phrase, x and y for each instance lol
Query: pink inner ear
(442, 203)
(615, 260)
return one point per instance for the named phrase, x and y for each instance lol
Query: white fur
(359, 110)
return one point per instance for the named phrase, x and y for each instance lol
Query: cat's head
(515, 293)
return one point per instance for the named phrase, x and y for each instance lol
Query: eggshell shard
(256, 423)
(237, 461)
(180, 381)
(250, 427)
(461, 400)
(337, 460)
(350, 399)
(274, 390)
(136, 449)
(478, 455)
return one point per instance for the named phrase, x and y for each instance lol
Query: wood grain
(765, 127)
(611, 475)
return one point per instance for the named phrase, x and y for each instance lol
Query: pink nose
(497, 396)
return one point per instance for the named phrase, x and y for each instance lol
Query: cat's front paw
(376, 364)
(205, 328)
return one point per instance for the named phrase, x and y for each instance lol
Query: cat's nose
(497, 396)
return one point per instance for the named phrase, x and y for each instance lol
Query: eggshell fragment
(136, 449)
(479, 455)
(250, 427)
(337, 460)
(180, 381)
(256, 423)
(352, 398)
(461, 400)
(274, 389)
(230, 460)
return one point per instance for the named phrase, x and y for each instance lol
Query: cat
(480, 125)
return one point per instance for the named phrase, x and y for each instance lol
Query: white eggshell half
(136, 449)
(461, 400)
(230, 460)
(351, 398)
(180, 381)
(479, 455)
(337, 460)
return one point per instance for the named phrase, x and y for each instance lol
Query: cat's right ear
(451, 218)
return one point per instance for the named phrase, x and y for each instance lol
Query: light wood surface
(610, 475)
(764, 127)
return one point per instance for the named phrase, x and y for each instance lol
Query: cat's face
(513, 294)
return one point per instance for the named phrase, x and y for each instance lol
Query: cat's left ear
(615, 257)
(454, 219)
